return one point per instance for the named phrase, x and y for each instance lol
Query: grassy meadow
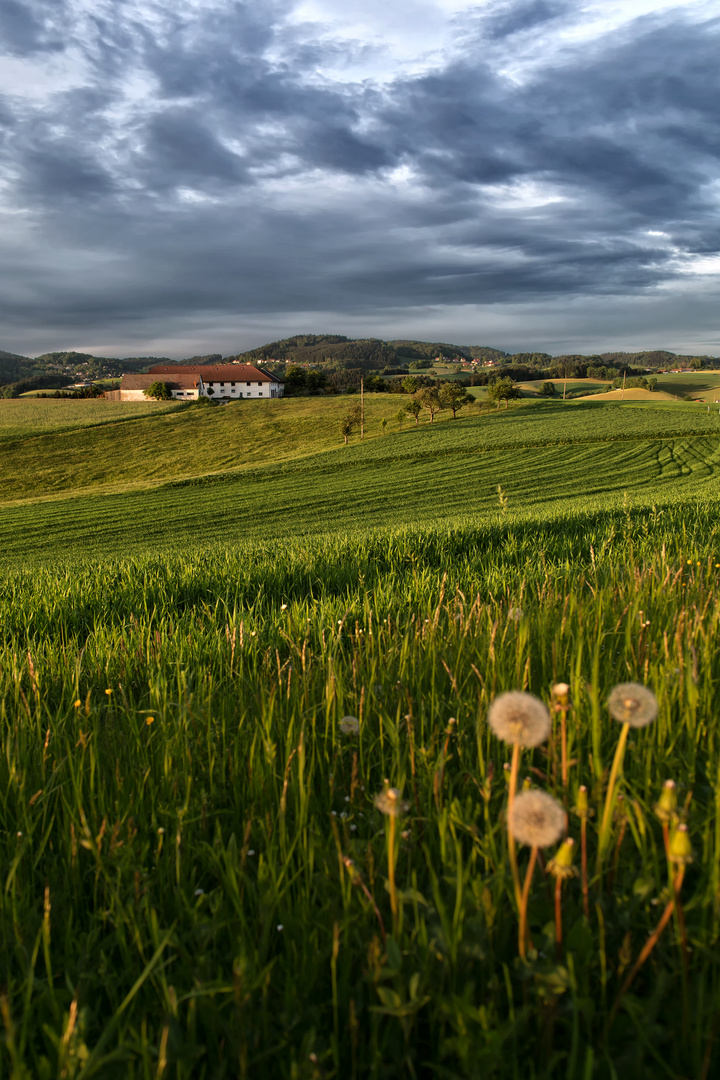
(25, 417)
(197, 879)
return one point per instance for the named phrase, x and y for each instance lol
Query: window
(249, 384)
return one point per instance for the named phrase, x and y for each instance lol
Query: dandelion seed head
(389, 802)
(517, 717)
(537, 819)
(633, 704)
(349, 725)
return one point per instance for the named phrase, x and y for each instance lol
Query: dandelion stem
(583, 866)
(563, 746)
(558, 917)
(610, 796)
(649, 944)
(613, 872)
(391, 820)
(522, 935)
(512, 852)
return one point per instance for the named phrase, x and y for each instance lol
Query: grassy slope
(633, 393)
(244, 436)
(703, 384)
(548, 458)
(28, 416)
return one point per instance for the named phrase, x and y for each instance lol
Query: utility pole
(622, 398)
(565, 383)
(362, 407)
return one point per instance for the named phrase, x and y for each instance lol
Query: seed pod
(681, 852)
(560, 866)
(666, 806)
(581, 807)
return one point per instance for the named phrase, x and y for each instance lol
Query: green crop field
(253, 818)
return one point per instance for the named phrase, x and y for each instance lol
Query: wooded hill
(329, 350)
(374, 353)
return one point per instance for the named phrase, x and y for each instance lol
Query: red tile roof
(178, 381)
(217, 372)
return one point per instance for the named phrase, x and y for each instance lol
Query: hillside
(196, 476)
(68, 366)
(360, 352)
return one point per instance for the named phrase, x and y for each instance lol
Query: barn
(221, 382)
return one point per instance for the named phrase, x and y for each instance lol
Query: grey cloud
(509, 19)
(31, 26)
(622, 134)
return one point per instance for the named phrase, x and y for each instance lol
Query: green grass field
(196, 878)
(26, 416)
(702, 384)
(573, 385)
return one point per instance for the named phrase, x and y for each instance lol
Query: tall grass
(194, 870)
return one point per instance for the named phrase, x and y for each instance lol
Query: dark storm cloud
(207, 165)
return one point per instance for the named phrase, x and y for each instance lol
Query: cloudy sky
(207, 175)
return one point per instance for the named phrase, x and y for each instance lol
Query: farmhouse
(226, 380)
(188, 382)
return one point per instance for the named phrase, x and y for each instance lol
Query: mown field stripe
(346, 494)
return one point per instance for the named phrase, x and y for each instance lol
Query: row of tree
(434, 399)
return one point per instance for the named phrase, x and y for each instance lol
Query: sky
(210, 175)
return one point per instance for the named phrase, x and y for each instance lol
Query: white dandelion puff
(633, 704)
(517, 717)
(349, 725)
(537, 819)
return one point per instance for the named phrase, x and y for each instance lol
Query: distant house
(190, 382)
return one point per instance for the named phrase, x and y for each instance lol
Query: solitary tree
(158, 390)
(350, 422)
(400, 416)
(346, 428)
(429, 399)
(502, 390)
(414, 408)
(548, 389)
(453, 396)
